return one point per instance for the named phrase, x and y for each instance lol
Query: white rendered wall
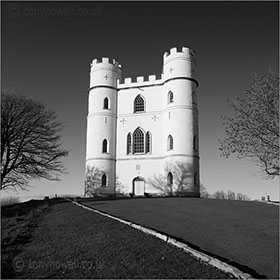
(145, 165)
(150, 120)
(127, 170)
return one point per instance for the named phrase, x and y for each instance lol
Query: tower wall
(181, 119)
(101, 121)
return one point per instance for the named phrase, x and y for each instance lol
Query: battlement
(105, 61)
(140, 81)
(175, 52)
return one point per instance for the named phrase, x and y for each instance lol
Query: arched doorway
(138, 186)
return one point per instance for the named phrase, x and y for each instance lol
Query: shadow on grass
(17, 225)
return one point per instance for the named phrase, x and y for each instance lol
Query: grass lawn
(71, 242)
(245, 234)
(17, 225)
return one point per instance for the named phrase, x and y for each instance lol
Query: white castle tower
(102, 120)
(144, 133)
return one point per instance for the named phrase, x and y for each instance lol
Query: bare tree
(180, 182)
(203, 192)
(219, 195)
(159, 182)
(230, 195)
(253, 131)
(241, 196)
(30, 146)
(93, 181)
(119, 186)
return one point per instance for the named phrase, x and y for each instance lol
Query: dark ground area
(245, 234)
(70, 242)
(17, 225)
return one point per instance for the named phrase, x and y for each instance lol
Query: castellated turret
(102, 118)
(144, 131)
(181, 116)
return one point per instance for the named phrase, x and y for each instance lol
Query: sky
(47, 48)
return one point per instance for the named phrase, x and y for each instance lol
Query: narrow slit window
(106, 103)
(129, 144)
(148, 142)
(170, 97)
(170, 143)
(169, 179)
(105, 146)
(104, 180)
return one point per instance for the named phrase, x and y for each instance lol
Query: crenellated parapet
(104, 72)
(105, 62)
(175, 53)
(179, 63)
(140, 81)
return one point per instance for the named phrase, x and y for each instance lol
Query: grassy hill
(66, 241)
(56, 239)
(245, 234)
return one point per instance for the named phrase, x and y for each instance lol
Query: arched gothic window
(138, 141)
(148, 142)
(170, 97)
(106, 103)
(129, 144)
(169, 143)
(105, 146)
(139, 104)
(169, 179)
(104, 180)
